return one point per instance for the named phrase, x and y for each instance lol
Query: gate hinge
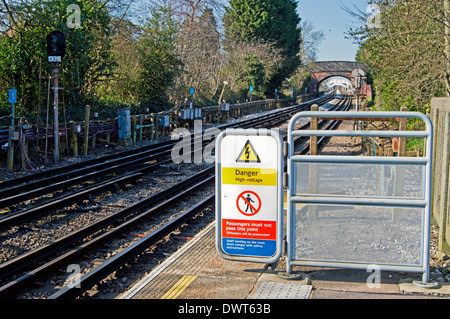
(285, 179)
(285, 149)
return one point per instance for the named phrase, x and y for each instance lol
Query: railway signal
(56, 46)
(56, 49)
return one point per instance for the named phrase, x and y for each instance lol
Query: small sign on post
(192, 92)
(54, 58)
(12, 96)
(249, 195)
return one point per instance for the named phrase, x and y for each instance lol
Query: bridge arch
(323, 70)
(335, 81)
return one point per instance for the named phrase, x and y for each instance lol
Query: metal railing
(357, 211)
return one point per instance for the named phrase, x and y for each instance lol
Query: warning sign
(248, 154)
(249, 195)
(250, 238)
(247, 176)
(248, 203)
(249, 229)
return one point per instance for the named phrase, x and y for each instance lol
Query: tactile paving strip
(278, 290)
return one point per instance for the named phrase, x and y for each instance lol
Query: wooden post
(402, 140)
(440, 114)
(86, 129)
(174, 121)
(140, 127)
(94, 141)
(10, 149)
(23, 151)
(152, 131)
(133, 129)
(155, 125)
(74, 139)
(447, 40)
(399, 177)
(313, 168)
(314, 126)
(445, 189)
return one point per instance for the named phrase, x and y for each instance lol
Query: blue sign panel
(192, 91)
(249, 247)
(251, 89)
(12, 96)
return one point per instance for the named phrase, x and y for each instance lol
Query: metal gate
(358, 211)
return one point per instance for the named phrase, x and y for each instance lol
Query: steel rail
(341, 104)
(65, 200)
(171, 196)
(84, 174)
(37, 211)
(59, 203)
(98, 273)
(9, 185)
(113, 168)
(77, 176)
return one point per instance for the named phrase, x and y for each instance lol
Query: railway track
(77, 182)
(76, 245)
(13, 193)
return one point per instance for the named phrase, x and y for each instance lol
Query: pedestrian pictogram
(248, 203)
(248, 154)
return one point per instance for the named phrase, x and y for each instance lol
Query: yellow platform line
(179, 287)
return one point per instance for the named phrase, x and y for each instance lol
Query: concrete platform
(196, 271)
(215, 277)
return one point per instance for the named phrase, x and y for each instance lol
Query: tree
(273, 21)
(122, 86)
(307, 55)
(406, 50)
(160, 64)
(249, 61)
(24, 26)
(199, 48)
(310, 41)
(255, 71)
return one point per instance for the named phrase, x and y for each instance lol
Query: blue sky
(328, 16)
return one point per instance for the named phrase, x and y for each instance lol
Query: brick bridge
(342, 71)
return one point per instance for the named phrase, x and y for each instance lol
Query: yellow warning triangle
(248, 154)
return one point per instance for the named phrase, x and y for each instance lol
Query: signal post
(56, 49)
(55, 77)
